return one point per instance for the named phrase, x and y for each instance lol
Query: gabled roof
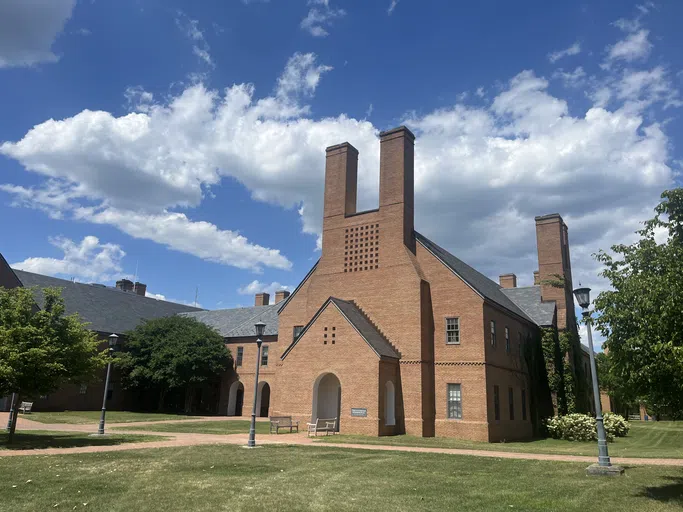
(105, 308)
(239, 322)
(529, 299)
(291, 295)
(485, 287)
(377, 342)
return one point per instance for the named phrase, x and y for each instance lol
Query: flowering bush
(616, 424)
(575, 427)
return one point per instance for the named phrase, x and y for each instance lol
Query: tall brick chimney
(262, 299)
(140, 289)
(341, 180)
(397, 179)
(508, 280)
(125, 285)
(281, 295)
(537, 280)
(554, 265)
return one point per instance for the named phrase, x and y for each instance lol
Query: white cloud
(481, 92)
(319, 16)
(574, 49)
(191, 29)
(301, 76)
(392, 6)
(258, 287)
(28, 30)
(571, 79)
(160, 296)
(88, 260)
(635, 46)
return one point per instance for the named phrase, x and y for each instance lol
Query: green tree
(42, 349)
(172, 353)
(642, 315)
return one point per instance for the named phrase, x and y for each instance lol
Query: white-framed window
(240, 356)
(453, 331)
(511, 402)
(84, 389)
(454, 402)
(493, 333)
(264, 356)
(507, 339)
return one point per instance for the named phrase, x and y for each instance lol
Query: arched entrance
(327, 398)
(236, 399)
(263, 399)
(389, 404)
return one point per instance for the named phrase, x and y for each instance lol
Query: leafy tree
(172, 353)
(642, 315)
(42, 349)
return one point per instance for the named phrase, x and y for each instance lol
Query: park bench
(25, 407)
(278, 422)
(326, 425)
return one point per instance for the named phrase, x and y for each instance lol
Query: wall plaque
(357, 411)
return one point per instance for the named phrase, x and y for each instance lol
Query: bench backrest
(322, 422)
(26, 404)
(283, 421)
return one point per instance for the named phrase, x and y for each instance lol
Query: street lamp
(604, 466)
(260, 327)
(113, 346)
(12, 411)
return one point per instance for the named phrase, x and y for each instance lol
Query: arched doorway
(236, 399)
(327, 398)
(263, 399)
(389, 404)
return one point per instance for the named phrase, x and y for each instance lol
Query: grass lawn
(663, 439)
(205, 427)
(83, 417)
(209, 478)
(33, 439)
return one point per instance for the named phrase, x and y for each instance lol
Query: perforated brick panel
(361, 248)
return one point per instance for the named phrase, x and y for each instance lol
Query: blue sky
(186, 139)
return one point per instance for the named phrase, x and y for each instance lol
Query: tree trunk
(189, 395)
(13, 426)
(162, 395)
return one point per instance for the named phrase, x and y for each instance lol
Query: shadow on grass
(38, 440)
(670, 493)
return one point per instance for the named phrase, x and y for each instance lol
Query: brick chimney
(508, 280)
(125, 285)
(262, 299)
(552, 241)
(397, 179)
(281, 295)
(341, 180)
(537, 280)
(140, 289)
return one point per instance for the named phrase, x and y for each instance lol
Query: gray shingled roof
(377, 342)
(488, 289)
(107, 309)
(239, 322)
(529, 299)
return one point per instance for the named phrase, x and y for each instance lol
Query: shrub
(615, 424)
(575, 427)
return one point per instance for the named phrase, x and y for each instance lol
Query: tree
(642, 315)
(172, 353)
(42, 349)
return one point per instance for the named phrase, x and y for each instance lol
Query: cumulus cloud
(319, 16)
(635, 46)
(258, 287)
(301, 76)
(28, 30)
(574, 49)
(87, 260)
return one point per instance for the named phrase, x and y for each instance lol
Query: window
(511, 403)
(493, 333)
(496, 403)
(454, 402)
(297, 331)
(519, 342)
(84, 389)
(240, 355)
(264, 356)
(453, 331)
(507, 340)
(524, 404)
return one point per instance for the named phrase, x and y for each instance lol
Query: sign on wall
(357, 411)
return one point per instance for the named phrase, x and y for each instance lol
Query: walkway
(187, 439)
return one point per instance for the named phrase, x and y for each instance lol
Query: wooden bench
(326, 425)
(278, 422)
(25, 407)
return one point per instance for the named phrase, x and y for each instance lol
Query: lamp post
(12, 411)
(260, 327)
(604, 466)
(113, 345)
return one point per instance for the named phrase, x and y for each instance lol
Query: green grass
(662, 439)
(204, 427)
(34, 439)
(209, 478)
(84, 417)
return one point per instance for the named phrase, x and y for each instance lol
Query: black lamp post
(604, 466)
(12, 411)
(260, 327)
(113, 346)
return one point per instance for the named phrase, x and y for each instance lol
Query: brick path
(187, 439)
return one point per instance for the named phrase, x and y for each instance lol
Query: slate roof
(107, 309)
(484, 286)
(239, 322)
(377, 342)
(529, 299)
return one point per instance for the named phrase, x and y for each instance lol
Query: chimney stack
(140, 289)
(281, 295)
(125, 285)
(508, 280)
(537, 279)
(262, 299)
(341, 180)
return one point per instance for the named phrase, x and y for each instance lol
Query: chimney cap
(396, 130)
(343, 145)
(549, 216)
